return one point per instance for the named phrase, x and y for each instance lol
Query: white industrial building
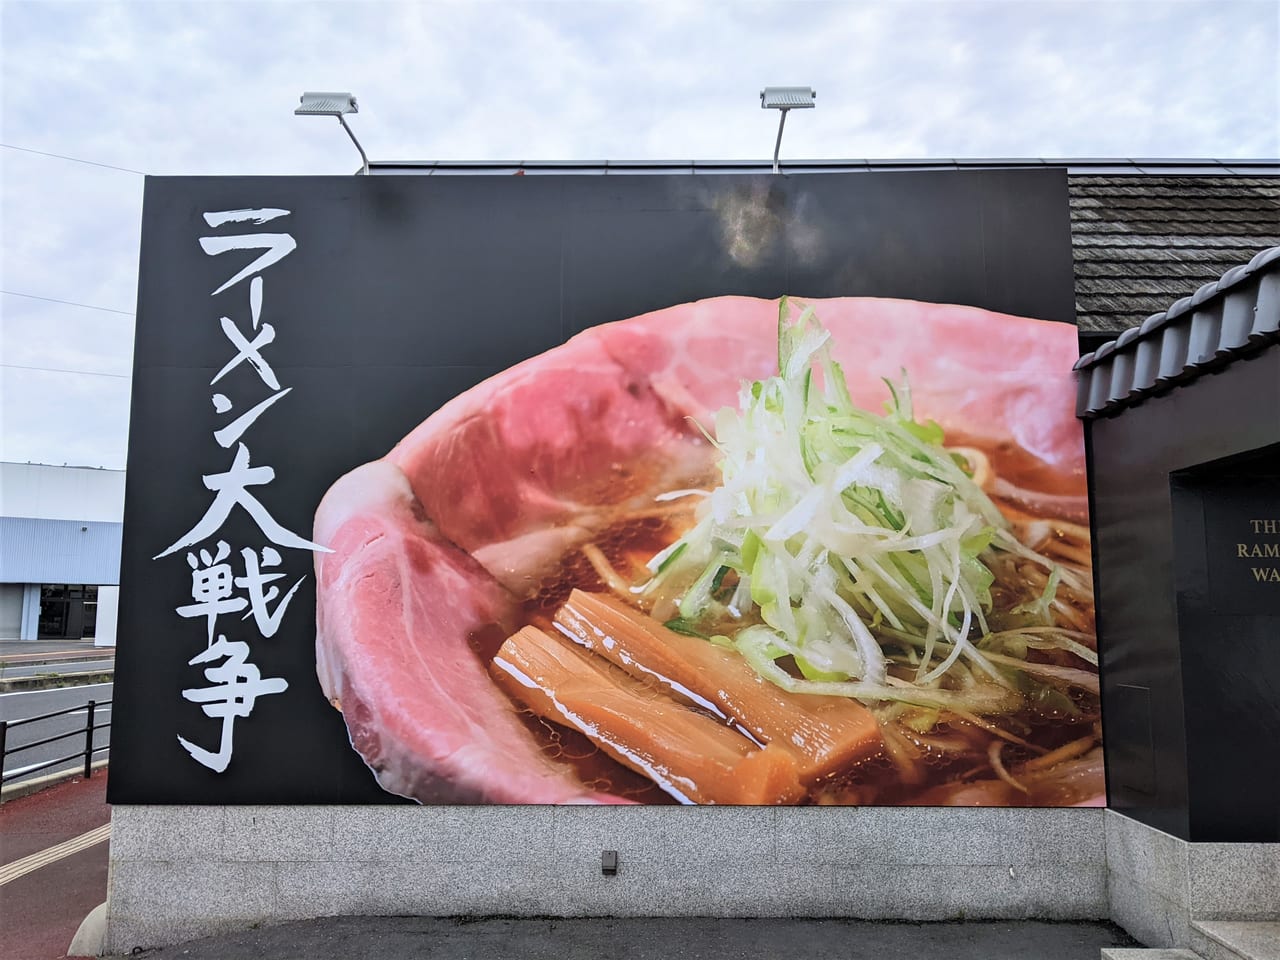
(60, 533)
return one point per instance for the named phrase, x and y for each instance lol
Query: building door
(63, 613)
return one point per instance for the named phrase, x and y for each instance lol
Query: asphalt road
(31, 703)
(14, 671)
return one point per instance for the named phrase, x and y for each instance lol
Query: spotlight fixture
(783, 99)
(333, 105)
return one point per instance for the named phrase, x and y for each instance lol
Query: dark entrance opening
(1226, 540)
(67, 611)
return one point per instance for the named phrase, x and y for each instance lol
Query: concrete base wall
(1157, 884)
(183, 872)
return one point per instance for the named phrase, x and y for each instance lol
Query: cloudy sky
(128, 89)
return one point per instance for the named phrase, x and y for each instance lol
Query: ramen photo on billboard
(737, 551)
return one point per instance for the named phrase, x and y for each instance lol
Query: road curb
(41, 659)
(91, 937)
(27, 787)
(57, 681)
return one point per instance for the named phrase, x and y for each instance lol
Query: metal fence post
(88, 743)
(4, 732)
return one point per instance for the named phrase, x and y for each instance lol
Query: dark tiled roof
(1142, 242)
(1235, 316)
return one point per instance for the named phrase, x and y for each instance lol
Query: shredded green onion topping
(841, 538)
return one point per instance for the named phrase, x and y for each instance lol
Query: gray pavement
(427, 938)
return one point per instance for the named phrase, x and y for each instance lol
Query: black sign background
(405, 291)
(1243, 584)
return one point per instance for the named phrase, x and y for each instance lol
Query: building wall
(1143, 643)
(61, 493)
(183, 872)
(38, 550)
(58, 525)
(11, 611)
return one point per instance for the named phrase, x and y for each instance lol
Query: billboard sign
(567, 489)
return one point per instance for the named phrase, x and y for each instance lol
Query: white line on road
(24, 693)
(20, 868)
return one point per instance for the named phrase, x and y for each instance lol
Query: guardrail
(87, 732)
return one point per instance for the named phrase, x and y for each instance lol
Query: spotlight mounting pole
(784, 99)
(364, 160)
(333, 105)
(777, 144)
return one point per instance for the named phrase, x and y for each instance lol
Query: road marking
(27, 693)
(20, 868)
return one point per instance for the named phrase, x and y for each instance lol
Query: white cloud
(208, 88)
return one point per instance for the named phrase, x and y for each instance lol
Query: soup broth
(946, 759)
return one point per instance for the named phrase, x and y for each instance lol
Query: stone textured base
(184, 872)
(1236, 939)
(1159, 885)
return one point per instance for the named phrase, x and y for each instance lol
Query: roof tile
(1142, 242)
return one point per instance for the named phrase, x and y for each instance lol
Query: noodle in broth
(955, 760)
(996, 705)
